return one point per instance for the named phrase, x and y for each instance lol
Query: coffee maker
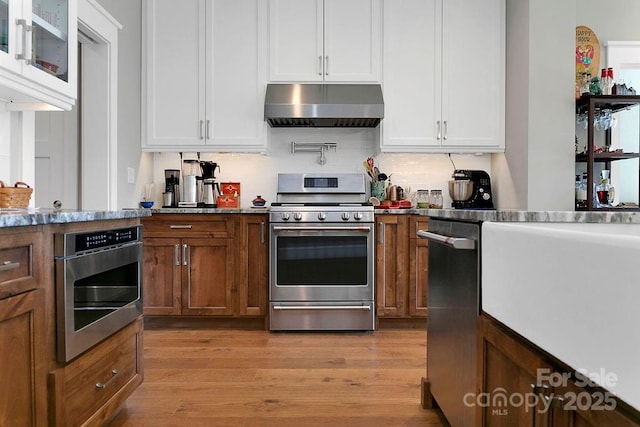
(210, 189)
(171, 195)
(481, 195)
(191, 184)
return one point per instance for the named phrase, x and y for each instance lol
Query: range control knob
(357, 216)
(345, 216)
(297, 216)
(284, 216)
(486, 196)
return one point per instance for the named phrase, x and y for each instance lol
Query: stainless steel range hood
(323, 105)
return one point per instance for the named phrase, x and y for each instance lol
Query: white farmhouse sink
(573, 289)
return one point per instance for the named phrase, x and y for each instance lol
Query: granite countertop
(35, 216)
(505, 215)
(249, 210)
(630, 217)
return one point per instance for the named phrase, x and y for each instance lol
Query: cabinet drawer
(17, 252)
(217, 226)
(91, 381)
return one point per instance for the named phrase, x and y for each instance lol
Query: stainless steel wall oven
(98, 286)
(322, 254)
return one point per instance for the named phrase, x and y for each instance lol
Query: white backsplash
(257, 173)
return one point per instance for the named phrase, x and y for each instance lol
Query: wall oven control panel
(101, 239)
(70, 244)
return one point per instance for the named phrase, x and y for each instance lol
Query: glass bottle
(435, 199)
(605, 192)
(422, 199)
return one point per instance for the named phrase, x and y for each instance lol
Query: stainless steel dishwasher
(453, 310)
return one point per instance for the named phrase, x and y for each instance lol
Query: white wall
(5, 148)
(536, 171)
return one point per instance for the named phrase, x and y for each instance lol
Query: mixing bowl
(460, 190)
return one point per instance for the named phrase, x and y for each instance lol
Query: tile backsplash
(257, 173)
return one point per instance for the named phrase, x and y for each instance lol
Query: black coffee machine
(481, 196)
(171, 195)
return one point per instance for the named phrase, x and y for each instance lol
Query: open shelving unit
(592, 104)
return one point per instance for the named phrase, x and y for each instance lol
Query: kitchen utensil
(460, 190)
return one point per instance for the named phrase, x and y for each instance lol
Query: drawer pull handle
(114, 374)
(180, 227)
(8, 265)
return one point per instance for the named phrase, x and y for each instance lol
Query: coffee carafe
(211, 189)
(191, 183)
(171, 195)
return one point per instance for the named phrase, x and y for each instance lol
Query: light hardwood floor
(258, 378)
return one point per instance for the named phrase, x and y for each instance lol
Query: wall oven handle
(114, 374)
(322, 307)
(361, 228)
(452, 242)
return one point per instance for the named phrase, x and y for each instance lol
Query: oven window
(322, 260)
(98, 295)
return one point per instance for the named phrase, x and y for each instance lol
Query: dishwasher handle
(461, 243)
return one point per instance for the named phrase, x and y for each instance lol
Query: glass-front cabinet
(38, 52)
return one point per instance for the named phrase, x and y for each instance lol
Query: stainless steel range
(322, 253)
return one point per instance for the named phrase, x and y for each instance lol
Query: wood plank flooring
(258, 378)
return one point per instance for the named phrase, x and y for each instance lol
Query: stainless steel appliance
(171, 195)
(191, 183)
(453, 310)
(471, 189)
(98, 286)
(322, 253)
(323, 105)
(210, 189)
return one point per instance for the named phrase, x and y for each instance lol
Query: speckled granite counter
(521, 216)
(248, 210)
(629, 217)
(24, 217)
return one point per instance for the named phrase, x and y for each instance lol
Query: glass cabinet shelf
(48, 28)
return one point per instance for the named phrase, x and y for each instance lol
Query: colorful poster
(587, 53)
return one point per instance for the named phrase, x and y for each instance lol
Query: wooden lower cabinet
(401, 266)
(23, 388)
(88, 390)
(205, 265)
(23, 336)
(519, 386)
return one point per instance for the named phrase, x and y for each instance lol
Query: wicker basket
(15, 197)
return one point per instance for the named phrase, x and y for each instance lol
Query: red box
(227, 201)
(231, 188)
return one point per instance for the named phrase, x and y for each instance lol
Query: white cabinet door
(204, 75)
(352, 38)
(412, 75)
(38, 53)
(324, 40)
(236, 75)
(174, 74)
(473, 74)
(444, 76)
(296, 40)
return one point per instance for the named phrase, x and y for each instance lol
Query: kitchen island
(552, 322)
(45, 387)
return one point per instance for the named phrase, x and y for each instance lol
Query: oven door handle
(322, 307)
(362, 228)
(461, 243)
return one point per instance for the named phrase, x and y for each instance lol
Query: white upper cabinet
(444, 76)
(38, 53)
(325, 40)
(204, 75)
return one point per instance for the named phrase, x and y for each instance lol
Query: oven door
(98, 293)
(321, 262)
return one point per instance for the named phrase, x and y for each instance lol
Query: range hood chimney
(323, 105)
